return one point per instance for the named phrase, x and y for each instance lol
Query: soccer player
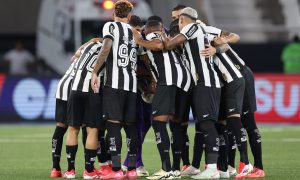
(174, 30)
(206, 93)
(170, 99)
(62, 95)
(82, 111)
(248, 108)
(144, 109)
(119, 52)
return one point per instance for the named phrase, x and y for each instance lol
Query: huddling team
(137, 76)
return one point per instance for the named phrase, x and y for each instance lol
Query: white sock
(211, 166)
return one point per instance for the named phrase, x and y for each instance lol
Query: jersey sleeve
(189, 30)
(109, 30)
(152, 36)
(213, 30)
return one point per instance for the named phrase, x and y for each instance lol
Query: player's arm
(153, 45)
(227, 37)
(105, 49)
(210, 50)
(174, 42)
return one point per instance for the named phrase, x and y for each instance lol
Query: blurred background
(38, 37)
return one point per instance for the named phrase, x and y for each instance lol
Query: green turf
(25, 152)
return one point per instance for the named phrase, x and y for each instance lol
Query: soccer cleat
(244, 170)
(131, 174)
(208, 173)
(232, 171)
(161, 174)
(176, 174)
(224, 175)
(104, 170)
(184, 168)
(90, 175)
(114, 175)
(142, 172)
(69, 174)
(124, 168)
(190, 171)
(55, 173)
(256, 173)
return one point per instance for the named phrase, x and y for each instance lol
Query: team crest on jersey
(192, 30)
(237, 66)
(111, 29)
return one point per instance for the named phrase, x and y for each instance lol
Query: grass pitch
(25, 152)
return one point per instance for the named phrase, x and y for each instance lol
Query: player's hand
(219, 41)
(208, 52)
(95, 83)
(136, 35)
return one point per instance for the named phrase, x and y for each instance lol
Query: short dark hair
(135, 21)
(123, 8)
(155, 18)
(174, 28)
(153, 25)
(179, 7)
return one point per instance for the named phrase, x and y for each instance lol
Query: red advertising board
(278, 98)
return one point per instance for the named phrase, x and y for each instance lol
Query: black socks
(231, 149)
(223, 147)
(176, 144)
(131, 133)
(115, 143)
(102, 149)
(90, 157)
(254, 138)
(57, 141)
(236, 127)
(163, 143)
(211, 141)
(199, 145)
(71, 154)
(185, 145)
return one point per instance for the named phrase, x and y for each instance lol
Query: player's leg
(182, 105)
(248, 119)
(162, 109)
(92, 104)
(113, 102)
(221, 127)
(234, 93)
(71, 150)
(206, 101)
(231, 153)
(130, 128)
(75, 119)
(58, 136)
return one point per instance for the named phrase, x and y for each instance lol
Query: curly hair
(123, 8)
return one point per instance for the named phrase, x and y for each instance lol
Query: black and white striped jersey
(65, 83)
(85, 66)
(168, 67)
(121, 62)
(202, 69)
(234, 57)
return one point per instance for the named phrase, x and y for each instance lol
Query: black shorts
(84, 108)
(249, 100)
(119, 105)
(61, 111)
(206, 102)
(164, 100)
(182, 105)
(232, 98)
